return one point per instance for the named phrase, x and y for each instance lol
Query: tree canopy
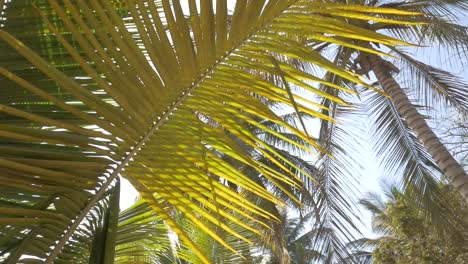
(409, 237)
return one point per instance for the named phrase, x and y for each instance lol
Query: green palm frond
(409, 159)
(336, 177)
(432, 85)
(360, 257)
(447, 8)
(301, 252)
(360, 251)
(381, 222)
(279, 141)
(213, 250)
(442, 23)
(309, 186)
(335, 219)
(142, 237)
(298, 237)
(98, 89)
(95, 239)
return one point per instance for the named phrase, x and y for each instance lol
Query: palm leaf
(381, 222)
(433, 85)
(442, 23)
(332, 189)
(142, 237)
(336, 177)
(135, 235)
(120, 88)
(213, 250)
(409, 159)
(95, 239)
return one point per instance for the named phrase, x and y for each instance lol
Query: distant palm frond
(435, 87)
(409, 158)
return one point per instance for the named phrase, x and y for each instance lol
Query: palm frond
(442, 23)
(119, 88)
(142, 237)
(433, 86)
(360, 251)
(336, 177)
(95, 239)
(334, 191)
(214, 250)
(381, 222)
(283, 138)
(402, 154)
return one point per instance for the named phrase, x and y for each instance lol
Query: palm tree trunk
(449, 166)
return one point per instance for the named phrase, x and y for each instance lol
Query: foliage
(175, 101)
(397, 148)
(409, 237)
(454, 133)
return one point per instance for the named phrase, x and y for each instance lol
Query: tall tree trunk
(449, 166)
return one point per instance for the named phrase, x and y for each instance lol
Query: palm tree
(307, 242)
(433, 84)
(444, 160)
(397, 147)
(406, 236)
(94, 90)
(299, 240)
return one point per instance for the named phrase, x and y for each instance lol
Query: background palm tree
(395, 143)
(400, 152)
(441, 26)
(299, 239)
(406, 236)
